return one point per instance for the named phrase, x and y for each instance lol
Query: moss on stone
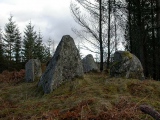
(127, 54)
(115, 63)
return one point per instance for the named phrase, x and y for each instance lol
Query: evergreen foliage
(11, 46)
(29, 40)
(39, 47)
(33, 48)
(9, 38)
(15, 51)
(141, 35)
(17, 46)
(1, 46)
(46, 53)
(41, 51)
(1, 52)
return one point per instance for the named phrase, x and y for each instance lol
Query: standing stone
(89, 64)
(126, 65)
(32, 70)
(64, 65)
(37, 68)
(29, 71)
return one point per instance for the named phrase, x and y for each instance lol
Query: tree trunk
(10, 52)
(115, 27)
(146, 73)
(153, 43)
(109, 19)
(100, 36)
(141, 36)
(115, 30)
(158, 19)
(151, 111)
(129, 15)
(158, 34)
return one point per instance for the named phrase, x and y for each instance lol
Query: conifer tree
(1, 52)
(9, 38)
(17, 46)
(39, 47)
(142, 34)
(30, 37)
(46, 53)
(49, 47)
(1, 46)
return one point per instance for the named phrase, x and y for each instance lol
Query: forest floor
(95, 97)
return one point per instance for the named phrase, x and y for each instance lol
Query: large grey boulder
(64, 65)
(126, 65)
(89, 64)
(32, 70)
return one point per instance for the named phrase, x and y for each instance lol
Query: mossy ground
(95, 97)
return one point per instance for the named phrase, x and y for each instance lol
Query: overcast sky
(52, 17)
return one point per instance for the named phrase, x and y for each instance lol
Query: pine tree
(30, 37)
(17, 46)
(39, 47)
(2, 66)
(49, 47)
(9, 38)
(46, 53)
(1, 46)
(141, 35)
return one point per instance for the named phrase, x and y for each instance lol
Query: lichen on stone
(126, 65)
(127, 54)
(64, 66)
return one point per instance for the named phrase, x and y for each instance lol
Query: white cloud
(51, 16)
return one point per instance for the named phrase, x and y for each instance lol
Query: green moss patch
(127, 54)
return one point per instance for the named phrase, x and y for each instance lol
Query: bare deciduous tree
(93, 18)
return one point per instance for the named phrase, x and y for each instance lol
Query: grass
(96, 96)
